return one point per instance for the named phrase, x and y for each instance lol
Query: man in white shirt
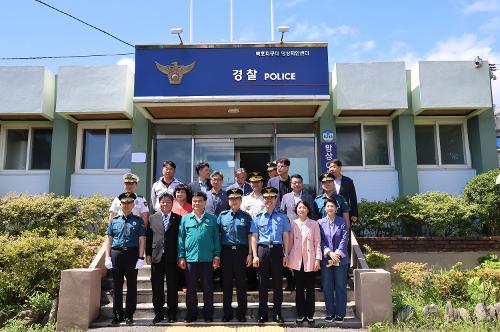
(140, 204)
(167, 183)
(253, 203)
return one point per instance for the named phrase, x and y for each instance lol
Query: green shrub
(375, 259)
(481, 190)
(44, 214)
(412, 274)
(31, 263)
(40, 302)
(444, 214)
(429, 214)
(13, 325)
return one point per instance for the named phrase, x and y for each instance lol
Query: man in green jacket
(199, 254)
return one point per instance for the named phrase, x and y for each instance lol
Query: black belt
(234, 247)
(275, 245)
(124, 248)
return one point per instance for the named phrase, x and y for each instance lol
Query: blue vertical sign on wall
(328, 148)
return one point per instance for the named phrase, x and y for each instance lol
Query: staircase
(144, 313)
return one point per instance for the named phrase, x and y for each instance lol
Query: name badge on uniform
(134, 223)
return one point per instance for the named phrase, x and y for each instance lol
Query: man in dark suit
(290, 200)
(344, 186)
(203, 182)
(241, 182)
(161, 252)
(282, 181)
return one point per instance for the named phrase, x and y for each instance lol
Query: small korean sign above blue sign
(232, 70)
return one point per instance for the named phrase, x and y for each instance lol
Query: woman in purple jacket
(335, 262)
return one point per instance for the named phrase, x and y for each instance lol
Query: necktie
(165, 223)
(233, 230)
(124, 230)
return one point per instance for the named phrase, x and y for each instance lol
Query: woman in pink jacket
(304, 259)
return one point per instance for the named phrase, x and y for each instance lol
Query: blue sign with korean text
(328, 152)
(231, 70)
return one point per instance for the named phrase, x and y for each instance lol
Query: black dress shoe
(117, 319)
(157, 319)
(189, 320)
(209, 320)
(278, 319)
(129, 320)
(242, 319)
(262, 320)
(172, 319)
(226, 319)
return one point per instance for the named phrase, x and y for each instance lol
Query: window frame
(4, 128)
(436, 122)
(369, 122)
(106, 126)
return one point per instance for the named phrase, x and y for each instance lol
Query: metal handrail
(358, 260)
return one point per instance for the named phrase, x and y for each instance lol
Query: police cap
(269, 192)
(234, 193)
(130, 178)
(127, 197)
(255, 176)
(326, 177)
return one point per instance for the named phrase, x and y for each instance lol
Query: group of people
(245, 230)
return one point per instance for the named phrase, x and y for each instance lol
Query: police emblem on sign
(174, 71)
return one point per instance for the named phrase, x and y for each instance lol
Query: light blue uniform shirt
(270, 228)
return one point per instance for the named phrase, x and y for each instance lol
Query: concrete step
(146, 296)
(145, 311)
(348, 323)
(144, 282)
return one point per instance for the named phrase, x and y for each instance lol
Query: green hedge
(44, 214)
(475, 213)
(32, 263)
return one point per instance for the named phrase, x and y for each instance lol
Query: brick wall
(426, 244)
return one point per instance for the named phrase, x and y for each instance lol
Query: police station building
(397, 131)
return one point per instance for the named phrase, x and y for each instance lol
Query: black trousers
(304, 294)
(234, 265)
(289, 278)
(270, 264)
(124, 266)
(252, 278)
(203, 271)
(158, 273)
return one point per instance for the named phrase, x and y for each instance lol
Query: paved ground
(216, 329)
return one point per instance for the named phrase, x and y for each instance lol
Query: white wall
(89, 184)
(31, 183)
(374, 185)
(450, 85)
(95, 89)
(370, 85)
(27, 90)
(447, 180)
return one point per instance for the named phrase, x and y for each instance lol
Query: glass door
(219, 153)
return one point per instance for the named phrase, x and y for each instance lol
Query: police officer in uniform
(328, 187)
(270, 234)
(124, 256)
(234, 226)
(140, 204)
(272, 169)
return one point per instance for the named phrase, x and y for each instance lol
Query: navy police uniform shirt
(234, 227)
(270, 227)
(319, 205)
(126, 231)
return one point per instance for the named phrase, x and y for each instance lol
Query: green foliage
(416, 285)
(13, 325)
(31, 263)
(40, 302)
(45, 214)
(429, 214)
(491, 261)
(375, 259)
(483, 191)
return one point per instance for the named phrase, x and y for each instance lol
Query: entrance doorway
(254, 160)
